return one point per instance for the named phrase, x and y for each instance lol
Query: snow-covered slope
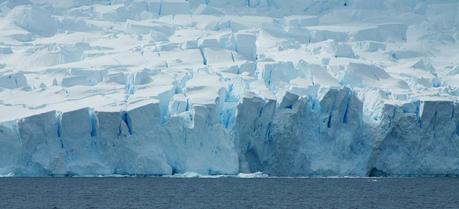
(288, 88)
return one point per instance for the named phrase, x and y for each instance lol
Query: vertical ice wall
(424, 141)
(299, 136)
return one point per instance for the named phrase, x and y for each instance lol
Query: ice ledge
(299, 136)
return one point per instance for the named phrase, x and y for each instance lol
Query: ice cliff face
(297, 88)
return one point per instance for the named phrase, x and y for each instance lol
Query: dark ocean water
(156, 192)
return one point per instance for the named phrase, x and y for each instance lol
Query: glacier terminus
(222, 87)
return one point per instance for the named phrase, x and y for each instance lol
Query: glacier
(229, 87)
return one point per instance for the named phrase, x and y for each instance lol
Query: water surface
(156, 192)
